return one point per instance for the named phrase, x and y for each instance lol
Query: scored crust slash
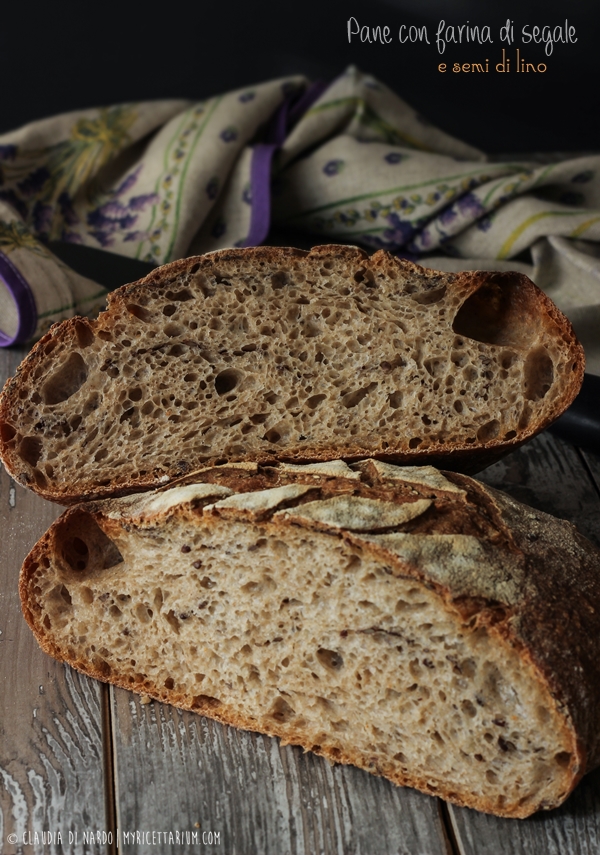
(273, 354)
(409, 621)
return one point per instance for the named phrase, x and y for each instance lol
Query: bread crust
(539, 595)
(524, 313)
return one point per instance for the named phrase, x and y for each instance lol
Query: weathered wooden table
(86, 768)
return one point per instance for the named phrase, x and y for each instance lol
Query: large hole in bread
(67, 380)
(30, 449)
(497, 313)
(227, 380)
(86, 549)
(539, 374)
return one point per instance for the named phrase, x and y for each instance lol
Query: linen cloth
(349, 162)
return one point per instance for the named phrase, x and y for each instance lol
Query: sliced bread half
(412, 622)
(278, 354)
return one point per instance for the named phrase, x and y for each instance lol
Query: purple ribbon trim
(282, 121)
(24, 301)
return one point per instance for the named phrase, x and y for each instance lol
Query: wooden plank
(573, 829)
(548, 474)
(51, 751)
(592, 462)
(177, 771)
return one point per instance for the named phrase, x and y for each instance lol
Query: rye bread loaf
(278, 354)
(412, 622)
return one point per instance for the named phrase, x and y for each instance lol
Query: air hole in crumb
(415, 441)
(205, 701)
(172, 330)
(67, 380)
(426, 298)
(469, 708)
(30, 449)
(330, 659)
(505, 744)
(497, 313)
(227, 380)
(143, 613)
(84, 334)
(280, 279)
(351, 399)
(525, 417)
(7, 432)
(489, 430)
(179, 296)
(539, 374)
(86, 594)
(281, 711)
(313, 402)
(61, 593)
(507, 359)
(77, 553)
(139, 312)
(86, 547)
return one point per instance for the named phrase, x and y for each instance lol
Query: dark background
(56, 57)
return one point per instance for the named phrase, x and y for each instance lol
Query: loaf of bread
(409, 621)
(282, 355)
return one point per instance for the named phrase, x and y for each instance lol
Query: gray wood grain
(175, 769)
(592, 463)
(51, 752)
(573, 829)
(550, 475)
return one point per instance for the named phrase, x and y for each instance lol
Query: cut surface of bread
(411, 622)
(278, 354)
